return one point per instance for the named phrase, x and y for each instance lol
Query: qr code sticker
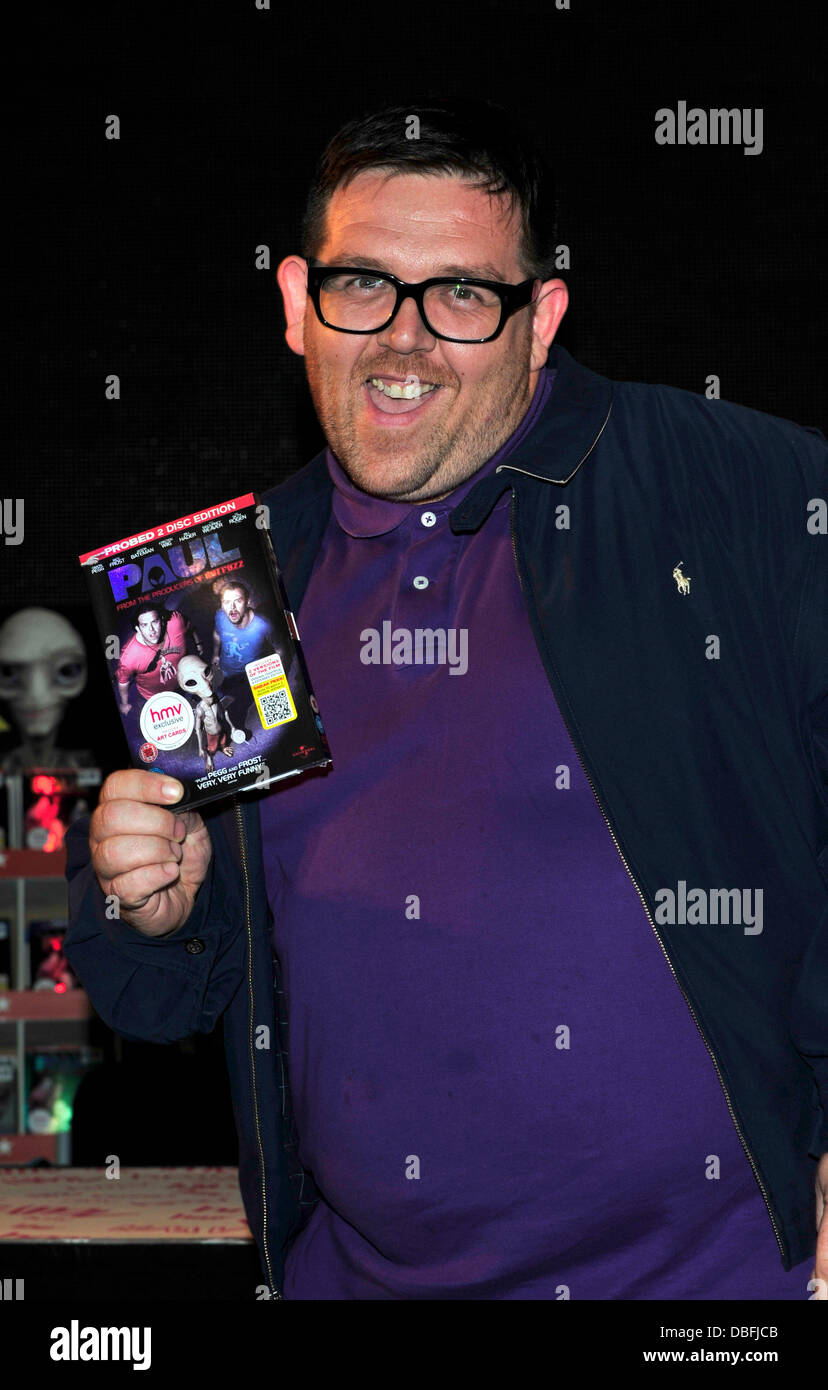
(275, 708)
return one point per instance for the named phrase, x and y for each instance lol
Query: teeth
(400, 391)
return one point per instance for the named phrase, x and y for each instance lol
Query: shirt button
(420, 582)
(195, 946)
(428, 518)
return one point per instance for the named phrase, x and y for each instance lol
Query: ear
(547, 312)
(292, 276)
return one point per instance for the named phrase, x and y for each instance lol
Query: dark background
(137, 257)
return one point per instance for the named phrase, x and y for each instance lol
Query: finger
(132, 784)
(135, 818)
(134, 890)
(122, 854)
(191, 822)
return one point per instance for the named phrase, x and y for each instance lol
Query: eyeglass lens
(365, 302)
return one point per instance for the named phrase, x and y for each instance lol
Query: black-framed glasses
(355, 299)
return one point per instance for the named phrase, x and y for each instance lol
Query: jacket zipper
(274, 1290)
(643, 901)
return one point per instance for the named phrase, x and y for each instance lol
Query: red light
(48, 786)
(60, 989)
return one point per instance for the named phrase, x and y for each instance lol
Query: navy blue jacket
(709, 762)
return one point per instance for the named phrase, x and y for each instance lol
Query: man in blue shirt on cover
(239, 637)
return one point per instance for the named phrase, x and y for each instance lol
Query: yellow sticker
(271, 691)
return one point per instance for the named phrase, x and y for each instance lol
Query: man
(151, 657)
(502, 1065)
(240, 636)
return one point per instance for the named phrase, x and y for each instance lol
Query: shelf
(22, 1148)
(33, 889)
(44, 1004)
(32, 863)
(88, 1204)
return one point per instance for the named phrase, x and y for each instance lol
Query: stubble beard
(456, 453)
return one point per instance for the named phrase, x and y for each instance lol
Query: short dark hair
(473, 138)
(147, 607)
(232, 584)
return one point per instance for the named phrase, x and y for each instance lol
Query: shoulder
(721, 435)
(304, 488)
(721, 423)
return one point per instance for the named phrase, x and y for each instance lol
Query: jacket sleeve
(811, 640)
(809, 1012)
(810, 1024)
(155, 989)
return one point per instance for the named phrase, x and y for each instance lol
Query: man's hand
(151, 858)
(819, 1277)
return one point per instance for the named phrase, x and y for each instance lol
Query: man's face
(235, 605)
(150, 626)
(416, 226)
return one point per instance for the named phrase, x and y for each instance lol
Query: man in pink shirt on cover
(153, 654)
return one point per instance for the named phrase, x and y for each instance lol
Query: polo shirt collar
(360, 514)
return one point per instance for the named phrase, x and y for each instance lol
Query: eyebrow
(476, 272)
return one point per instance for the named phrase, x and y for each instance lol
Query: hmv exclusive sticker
(203, 652)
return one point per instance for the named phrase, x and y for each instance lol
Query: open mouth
(388, 395)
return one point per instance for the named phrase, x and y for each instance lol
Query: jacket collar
(570, 425)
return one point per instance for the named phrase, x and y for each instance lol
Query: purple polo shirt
(498, 1086)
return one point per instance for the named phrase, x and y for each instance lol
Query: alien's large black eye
(9, 675)
(190, 684)
(69, 670)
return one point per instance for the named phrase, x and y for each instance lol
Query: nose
(406, 332)
(37, 685)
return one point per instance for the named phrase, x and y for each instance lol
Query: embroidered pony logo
(682, 580)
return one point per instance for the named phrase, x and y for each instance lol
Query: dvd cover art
(203, 653)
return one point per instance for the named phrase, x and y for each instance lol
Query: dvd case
(203, 652)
